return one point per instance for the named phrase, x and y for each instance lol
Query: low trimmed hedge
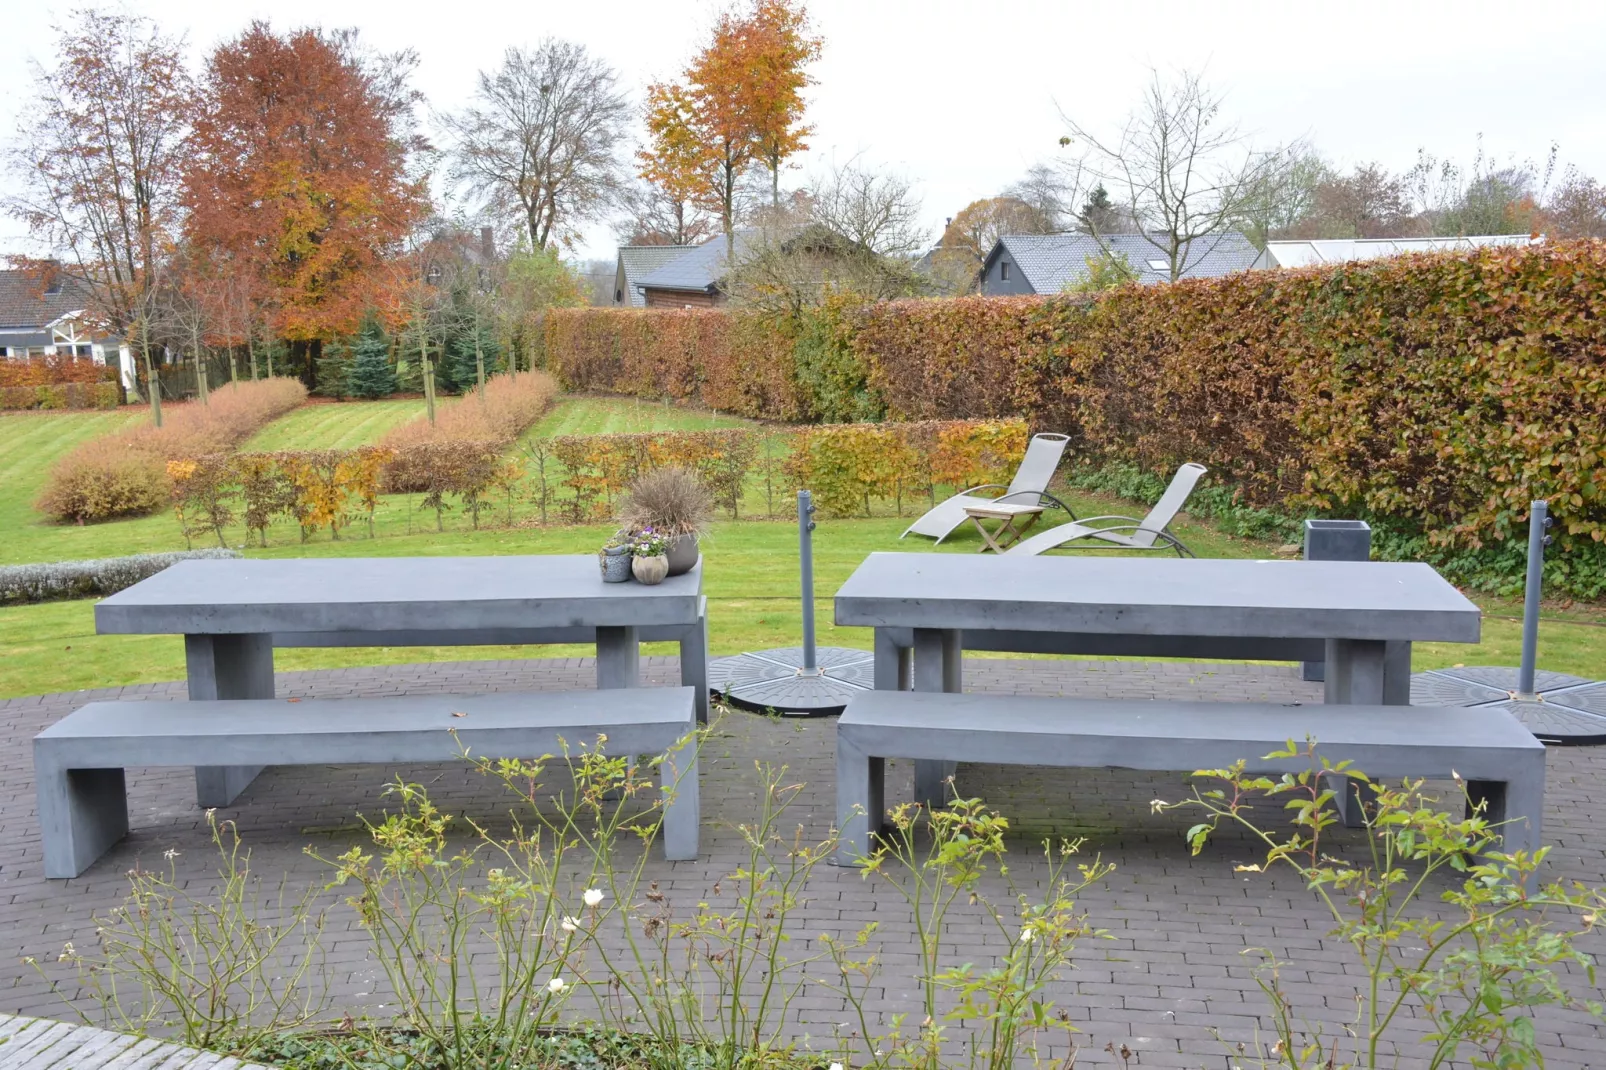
(61, 396)
(58, 580)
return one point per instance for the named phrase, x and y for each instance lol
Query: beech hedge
(1433, 394)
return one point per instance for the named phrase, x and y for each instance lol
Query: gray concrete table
(232, 613)
(1364, 615)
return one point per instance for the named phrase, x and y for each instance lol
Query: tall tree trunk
(200, 364)
(251, 351)
(151, 380)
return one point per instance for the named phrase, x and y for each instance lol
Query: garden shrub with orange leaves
(125, 473)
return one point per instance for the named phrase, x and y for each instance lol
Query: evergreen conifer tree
(371, 374)
(334, 370)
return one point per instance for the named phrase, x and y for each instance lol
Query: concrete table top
(1363, 600)
(392, 594)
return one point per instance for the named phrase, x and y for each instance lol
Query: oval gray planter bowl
(682, 555)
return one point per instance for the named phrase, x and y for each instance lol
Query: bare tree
(650, 214)
(1577, 207)
(878, 211)
(1052, 191)
(1185, 175)
(1284, 196)
(98, 159)
(541, 139)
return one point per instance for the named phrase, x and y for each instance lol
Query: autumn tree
(97, 164)
(739, 102)
(301, 168)
(1577, 207)
(540, 141)
(979, 225)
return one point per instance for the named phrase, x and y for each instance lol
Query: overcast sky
(963, 96)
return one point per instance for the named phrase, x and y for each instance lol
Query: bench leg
(694, 665)
(1516, 805)
(682, 802)
(224, 667)
(937, 668)
(82, 813)
(860, 802)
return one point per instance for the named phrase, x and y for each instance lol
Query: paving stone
(1177, 968)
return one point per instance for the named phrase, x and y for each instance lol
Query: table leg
(937, 669)
(618, 657)
(226, 667)
(892, 663)
(694, 665)
(1358, 675)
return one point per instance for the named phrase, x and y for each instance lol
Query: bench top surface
(1248, 723)
(392, 594)
(581, 710)
(1158, 596)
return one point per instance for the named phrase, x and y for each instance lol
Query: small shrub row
(507, 408)
(598, 468)
(62, 396)
(125, 473)
(47, 371)
(58, 580)
(846, 466)
(331, 489)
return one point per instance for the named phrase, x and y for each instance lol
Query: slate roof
(24, 304)
(1049, 261)
(1292, 254)
(701, 268)
(639, 261)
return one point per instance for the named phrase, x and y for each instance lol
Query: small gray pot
(682, 555)
(615, 562)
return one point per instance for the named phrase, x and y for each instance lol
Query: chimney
(487, 244)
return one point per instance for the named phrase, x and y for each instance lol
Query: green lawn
(751, 565)
(606, 416)
(333, 426)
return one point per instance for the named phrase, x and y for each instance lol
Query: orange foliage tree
(301, 169)
(739, 102)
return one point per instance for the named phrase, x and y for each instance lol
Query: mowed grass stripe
(607, 416)
(30, 443)
(342, 425)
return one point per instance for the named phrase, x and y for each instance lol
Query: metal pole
(805, 545)
(1538, 522)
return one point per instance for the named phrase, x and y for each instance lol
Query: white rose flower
(1026, 934)
(569, 924)
(556, 986)
(836, 1066)
(592, 897)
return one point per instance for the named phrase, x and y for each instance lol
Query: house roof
(639, 261)
(1050, 261)
(701, 268)
(1292, 254)
(25, 304)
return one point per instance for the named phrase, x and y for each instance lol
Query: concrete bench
(1502, 762)
(79, 760)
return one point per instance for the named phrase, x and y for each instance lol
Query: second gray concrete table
(1365, 615)
(232, 613)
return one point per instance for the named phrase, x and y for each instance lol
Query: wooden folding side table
(1016, 520)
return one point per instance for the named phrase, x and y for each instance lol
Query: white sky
(962, 96)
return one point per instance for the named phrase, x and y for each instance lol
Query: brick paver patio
(1175, 971)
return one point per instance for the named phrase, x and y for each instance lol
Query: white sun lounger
(1127, 533)
(1029, 487)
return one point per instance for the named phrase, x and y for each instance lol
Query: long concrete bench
(79, 760)
(1502, 762)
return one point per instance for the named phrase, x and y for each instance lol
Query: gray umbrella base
(1566, 711)
(774, 680)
